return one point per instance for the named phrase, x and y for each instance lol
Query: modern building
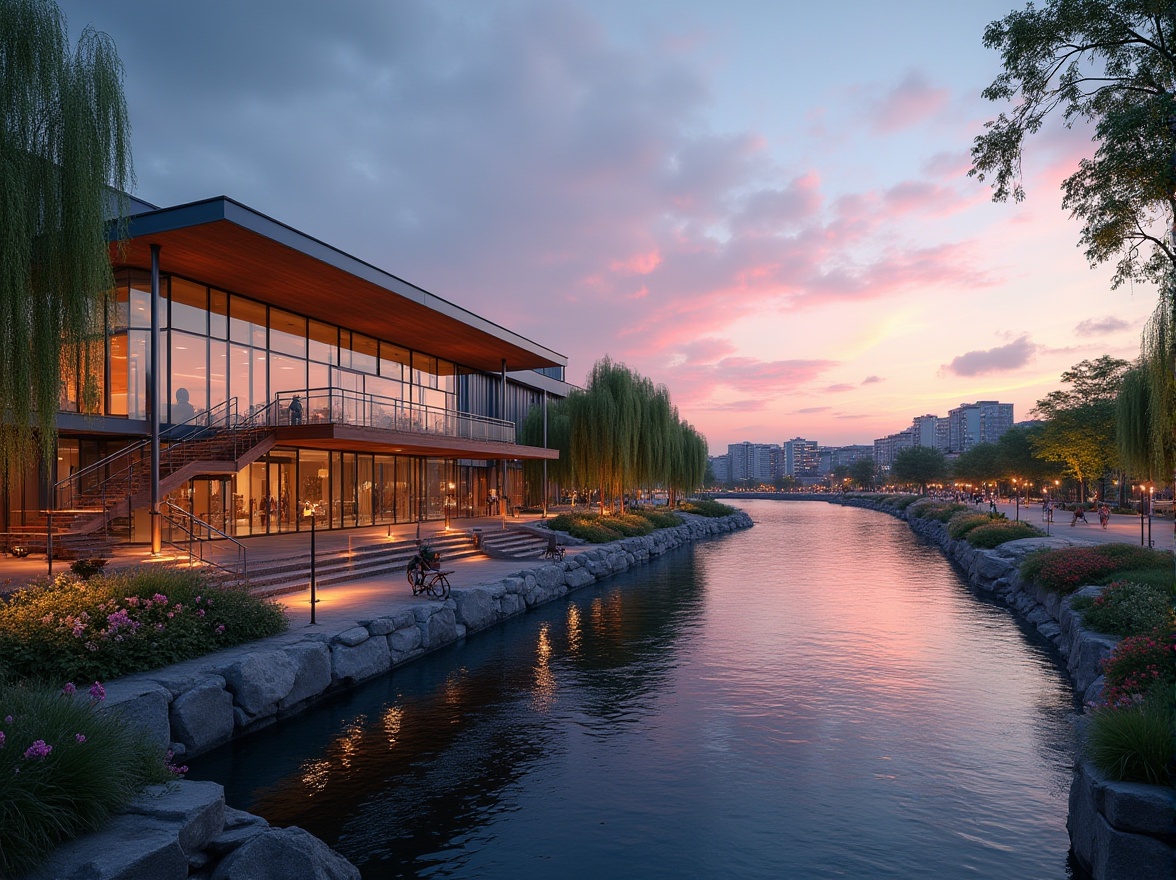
(802, 458)
(926, 431)
(970, 424)
(847, 455)
(887, 448)
(295, 383)
(753, 461)
(720, 467)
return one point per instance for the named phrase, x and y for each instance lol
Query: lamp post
(309, 508)
(1150, 489)
(1016, 501)
(1140, 516)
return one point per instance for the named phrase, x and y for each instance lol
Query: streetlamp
(309, 509)
(1016, 500)
(1150, 490)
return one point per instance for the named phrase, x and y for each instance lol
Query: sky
(763, 206)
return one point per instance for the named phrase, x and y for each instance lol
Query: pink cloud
(870, 380)
(638, 264)
(994, 360)
(910, 102)
(838, 389)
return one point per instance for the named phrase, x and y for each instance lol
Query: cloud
(910, 102)
(1101, 326)
(994, 360)
(871, 380)
(840, 388)
(808, 410)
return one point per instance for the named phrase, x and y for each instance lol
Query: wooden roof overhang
(234, 248)
(352, 438)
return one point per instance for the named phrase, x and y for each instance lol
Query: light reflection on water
(818, 696)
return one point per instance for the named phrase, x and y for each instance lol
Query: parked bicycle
(425, 575)
(554, 551)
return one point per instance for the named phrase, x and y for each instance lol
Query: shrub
(708, 508)
(628, 525)
(1133, 743)
(145, 618)
(902, 502)
(661, 519)
(87, 568)
(1136, 665)
(998, 532)
(64, 768)
(944, 512)
(1065, 570)
(1126, 608)
(964, 521)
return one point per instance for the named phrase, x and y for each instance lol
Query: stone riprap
(195, 706)
(184, 830)
(1119, 830)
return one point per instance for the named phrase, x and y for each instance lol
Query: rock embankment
(1118, 830)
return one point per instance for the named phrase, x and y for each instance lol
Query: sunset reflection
(543, 692)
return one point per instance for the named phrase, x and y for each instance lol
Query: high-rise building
(753, 461)
(802, 458)
(970, 424)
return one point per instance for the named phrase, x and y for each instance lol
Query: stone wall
(185, 829)
(1118, 830)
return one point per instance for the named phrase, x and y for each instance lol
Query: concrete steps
(513, 544)
(272, 577)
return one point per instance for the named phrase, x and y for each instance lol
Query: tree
(862, 471)
(1145, 410)
(64, 146)
(919, 464)
(1110, 63)
(1080, 429)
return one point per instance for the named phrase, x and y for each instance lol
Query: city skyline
(771, 219)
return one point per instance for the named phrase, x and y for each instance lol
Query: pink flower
(38, 750)
(80, 737)
(97, 691)
(200, 613)
(220, 628)
(70, 689)
(1, 739)
(159, 599)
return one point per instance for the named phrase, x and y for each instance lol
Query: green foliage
(94, 767)
(919, 465)
(704, 507)
(1133, 743)
(863, 472)
(145, 618)
(964, 521)
(939, 511)
(1137, 666)
(902, 502)
(87, 568)
(1108, 63)
(661, 519)
(998, 532)
(1066, 569)
(64, 141)
(1126, 608)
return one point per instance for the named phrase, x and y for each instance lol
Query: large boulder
(366, 660)
(127, 848)
(142, 705)
(259, 681)
(282, 853)
(312, 672)
(195, 809)
(476, 609)
(202, 718)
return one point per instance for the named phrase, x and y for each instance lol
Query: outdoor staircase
(289, 574)
(513, 543)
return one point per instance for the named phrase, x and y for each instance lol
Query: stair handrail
(192, 526)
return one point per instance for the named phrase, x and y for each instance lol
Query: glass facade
(216, 346)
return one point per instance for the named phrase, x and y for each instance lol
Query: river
(818, 696)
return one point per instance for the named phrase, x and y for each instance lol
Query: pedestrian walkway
(1122, 528)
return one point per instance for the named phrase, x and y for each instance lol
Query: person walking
(1079, 514)
(1104, 514)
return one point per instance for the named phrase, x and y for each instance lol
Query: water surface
(819, 696)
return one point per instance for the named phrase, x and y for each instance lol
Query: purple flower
(220, 628)
(7, 719)
(97, 691)
(159, 599)
(1, 739)
(200, 613)
(119, 620)
(80, 737)
(70, 689)
(38, 750)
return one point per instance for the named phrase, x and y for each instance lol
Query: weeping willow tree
(65, 166)
(619, 433)
(1145, 410)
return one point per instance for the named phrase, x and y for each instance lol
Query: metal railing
(339, 407)
(182, 527)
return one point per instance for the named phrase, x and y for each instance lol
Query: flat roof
(230, 246)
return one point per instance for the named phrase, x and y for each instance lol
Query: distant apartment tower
(802, 458)
(721, 467)
(847, 455)
(752, 461)
(984, 421)
(926, 431)
(886, 448)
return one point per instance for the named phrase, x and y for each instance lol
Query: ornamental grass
(65, 767)
(64, 629)
(1137, 665)
(1133, 742)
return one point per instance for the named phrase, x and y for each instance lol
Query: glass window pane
(140, 300)
(324, 343)
(424, 370)
(286, 374)
(246, 321)
(247, 378)
(364, 351)
(189, 306)
(393, 360)
(446, 376)
(218, 366)
(189, 377)
(218, 314)
(287, 333)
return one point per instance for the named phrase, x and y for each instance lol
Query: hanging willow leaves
(65, 164)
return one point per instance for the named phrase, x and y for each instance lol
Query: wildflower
(97, 691)
(119, 620)
(220, 628)
(177, 769)
(38, 750)
(200, 613)
(159, 599)
(159, 627)
(7, 719)
(70, 689)
(80, 737)
(1, 739)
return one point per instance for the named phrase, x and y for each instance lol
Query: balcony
(334, 406)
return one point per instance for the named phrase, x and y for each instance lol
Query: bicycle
(425, 576)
